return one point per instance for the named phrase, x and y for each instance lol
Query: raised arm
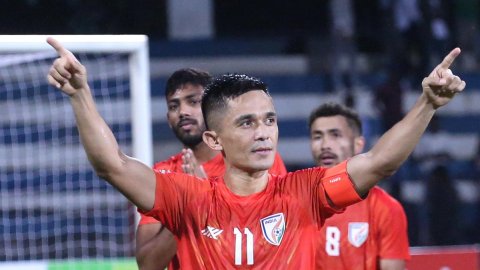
(131, 177)
(393, 148)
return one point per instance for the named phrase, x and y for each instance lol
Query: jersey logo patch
(357, 233)
(273, 228)
(211, 232)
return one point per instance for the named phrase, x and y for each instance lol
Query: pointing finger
(58, 46)
(448, 60)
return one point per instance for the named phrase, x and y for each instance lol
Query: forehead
(251, 102)
(331, 122)
(186, 90)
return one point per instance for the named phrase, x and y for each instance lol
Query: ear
(359, 144)
(211, 139)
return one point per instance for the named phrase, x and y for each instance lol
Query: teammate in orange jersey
(371, 234)
(156, 245)
(247, 218)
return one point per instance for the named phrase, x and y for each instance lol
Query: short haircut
(224, 88)
(334, 109)
(186, 75)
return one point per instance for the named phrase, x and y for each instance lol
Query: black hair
(227, 87)
(334, 109)
(186, 75)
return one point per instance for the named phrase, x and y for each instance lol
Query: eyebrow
(251, 116)
(271, 114)
(186, 97)
(317, 131)
(243, 117)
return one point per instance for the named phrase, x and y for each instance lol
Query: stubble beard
(189, 140)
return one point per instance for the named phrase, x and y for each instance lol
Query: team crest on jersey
(357, 233)
(273, 228)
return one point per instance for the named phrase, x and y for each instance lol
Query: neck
(203, 153)
(243, 183)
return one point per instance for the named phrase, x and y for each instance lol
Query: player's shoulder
(184, 181)
(216, 160)
(381, 198)
(168, 164)
(308, 171)
(294, 175)
(304, 176)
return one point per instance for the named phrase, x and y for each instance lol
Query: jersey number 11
(238, 246)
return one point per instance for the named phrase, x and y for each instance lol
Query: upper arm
(363, 172)
(145, 233)
(135, 180)
(338, 186)
(323, 191)
(156, 246)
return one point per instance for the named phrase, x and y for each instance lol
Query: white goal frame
(137, 48)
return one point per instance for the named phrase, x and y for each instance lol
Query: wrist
(427, 102)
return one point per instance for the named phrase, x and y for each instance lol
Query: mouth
(186, 124)
(263, 150)
(328, 159)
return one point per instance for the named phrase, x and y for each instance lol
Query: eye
(316, 137)
(336, 135)
(270, 121)
(246, 124)
(172, 107)
(195, 101)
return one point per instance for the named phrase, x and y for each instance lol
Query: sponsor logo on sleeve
(334, 180)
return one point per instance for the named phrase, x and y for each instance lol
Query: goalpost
(52, 205)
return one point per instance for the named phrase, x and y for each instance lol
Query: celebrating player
(247, 218)
(371, 234)
(155, 244)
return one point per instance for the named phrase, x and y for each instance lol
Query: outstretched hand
(190, 164)
(66, 72)
(442, 85)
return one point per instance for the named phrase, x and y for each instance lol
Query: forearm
(97, 138)
(392, 149)
(131, 177)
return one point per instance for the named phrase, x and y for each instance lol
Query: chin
(262, 166)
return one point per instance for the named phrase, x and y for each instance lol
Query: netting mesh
(52, 205)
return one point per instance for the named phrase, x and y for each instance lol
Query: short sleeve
(322, 191)
(144, 219)
(392, 228)
(173, 192)
(339, 187)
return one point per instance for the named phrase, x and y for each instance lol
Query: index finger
(57, 46)
(448, 60)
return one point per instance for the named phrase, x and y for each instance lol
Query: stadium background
(289, 45)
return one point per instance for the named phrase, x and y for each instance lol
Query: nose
(263, 132)
(184, 109)
(325, 143)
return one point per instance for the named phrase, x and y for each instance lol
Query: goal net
(52, 205)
